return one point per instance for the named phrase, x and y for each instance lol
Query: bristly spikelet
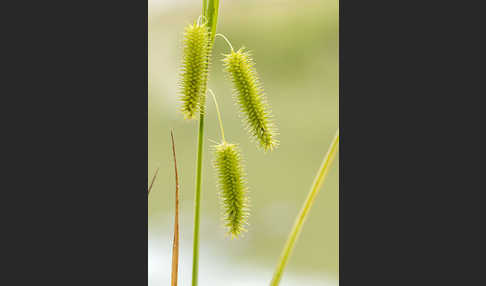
(232, 185)
(251, 98)
(194, 69)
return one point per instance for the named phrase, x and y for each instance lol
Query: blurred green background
(295, 46)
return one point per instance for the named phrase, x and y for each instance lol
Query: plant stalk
(299, 223)
(197, 201)
(210, 12)
(175, 246)
(153, 180)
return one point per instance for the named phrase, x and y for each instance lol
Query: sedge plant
(197, 53)
(198, 42)
(257, 117)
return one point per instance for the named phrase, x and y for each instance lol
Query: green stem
(299, 223)
(210, 12)
(197, 201)
(205, 7)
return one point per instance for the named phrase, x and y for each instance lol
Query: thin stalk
(299, 223)
(153, 180)
(219, 114)
(175, 247)
(226, 40)
(197, 201)
(210, 12)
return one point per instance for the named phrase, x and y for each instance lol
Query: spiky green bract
(232, 185)
(251, 98)
(194, 69)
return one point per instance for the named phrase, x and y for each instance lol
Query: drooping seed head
(251, 98)
(194, 69)
(232, 185)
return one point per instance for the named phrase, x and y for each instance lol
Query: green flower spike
(194, 70)
(231, 182)
(251, 98)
